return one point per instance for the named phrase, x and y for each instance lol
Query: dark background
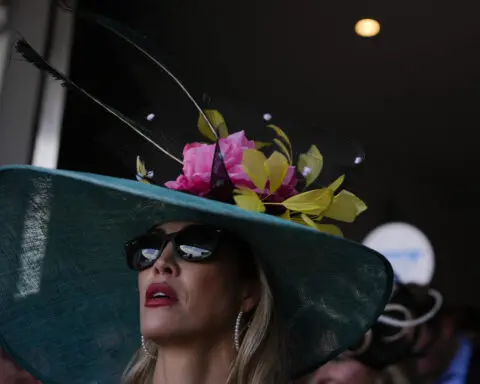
(408, 98)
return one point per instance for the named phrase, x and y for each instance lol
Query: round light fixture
(408, 250)
(367, 27)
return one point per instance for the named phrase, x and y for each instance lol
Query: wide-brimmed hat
(69, 305)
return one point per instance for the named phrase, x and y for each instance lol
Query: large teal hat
(68, 302)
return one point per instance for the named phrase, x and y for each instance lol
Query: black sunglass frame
(157, 238)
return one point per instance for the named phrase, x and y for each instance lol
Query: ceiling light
(367, 27)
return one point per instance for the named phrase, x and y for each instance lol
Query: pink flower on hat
(197, 168)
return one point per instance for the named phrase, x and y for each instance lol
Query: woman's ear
(250, 295)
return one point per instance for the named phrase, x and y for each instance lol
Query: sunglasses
(192, 243)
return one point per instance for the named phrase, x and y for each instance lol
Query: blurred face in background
(10, 373)
(344, 372)
(442, 347)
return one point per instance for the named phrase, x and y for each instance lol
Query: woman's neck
(194, 364)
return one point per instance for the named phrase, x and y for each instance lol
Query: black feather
(33, 57)
(141, 44)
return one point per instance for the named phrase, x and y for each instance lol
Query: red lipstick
(160, 295)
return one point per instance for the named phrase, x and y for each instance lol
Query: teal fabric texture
(69, 304)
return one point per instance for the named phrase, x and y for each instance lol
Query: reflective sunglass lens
(190, 252)
(197, 243)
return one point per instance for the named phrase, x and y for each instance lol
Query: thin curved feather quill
(135, 40)
(32, 56)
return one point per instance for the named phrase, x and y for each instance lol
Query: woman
(240, 280)
(193, 327)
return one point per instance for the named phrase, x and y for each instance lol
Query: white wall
(4, 38)
(31, 104)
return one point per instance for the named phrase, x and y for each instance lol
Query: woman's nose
(166, 264)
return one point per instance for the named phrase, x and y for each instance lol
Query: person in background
(389, 352)
(11, 373)
(346, 370)
(451, 356)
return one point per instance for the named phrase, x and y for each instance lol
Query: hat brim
(69, 305)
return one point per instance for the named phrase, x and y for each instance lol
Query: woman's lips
(160, 295)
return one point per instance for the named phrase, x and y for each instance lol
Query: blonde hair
(260, 359)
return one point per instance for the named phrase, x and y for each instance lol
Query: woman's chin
(157, 329)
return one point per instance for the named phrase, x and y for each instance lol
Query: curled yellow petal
(244, 191)
(217, 121)
(143, 175)
(254, 166)
(326, 228)
(308, 221)
(297, 219)
(280, 133)
(141, 168)
(337, 183)
(284, 144)
(345, 207)
(310, 164)
(284, 150)
(277, 168)
(317, 218)
(250, 202)
(330, 229)
(315, 152)
(286, 215)
(262, 144)
(312, 202)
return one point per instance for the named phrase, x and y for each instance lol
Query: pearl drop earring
(236, 334)
(147, 352)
